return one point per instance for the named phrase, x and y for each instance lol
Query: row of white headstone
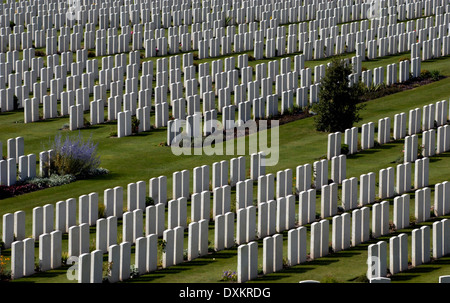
(16, 155)
(221, 43)
(50, 110)
(262, 108)
(400, 209)
(97, 112)
(224, 232)
(106, 241)
(187, 13)
(9, 173)
(113, 199)
(420, 249)
(196, 16)
(432, 113)
(14, 148)
(418, 23)
(21, 250)
(297, 244)
(346, 234)
(88, 205)
(23, 254)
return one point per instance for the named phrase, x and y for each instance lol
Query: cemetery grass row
(297, 144)
(297, 155)
(5, 127)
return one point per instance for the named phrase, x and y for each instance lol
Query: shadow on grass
(8, 113)
(422, 269)
(404, 277)
(161, 273)
(45, 275)
(281, 274)
(433, 159)
(187, 265)
(322, 261)
(442, 155)
(220, 255)
(286, 272)
(91, 127)
(344, 254)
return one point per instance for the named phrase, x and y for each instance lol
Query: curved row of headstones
(431, 114)
(420, 249)
(245, 193)
(244, 235)
(314, 199)
(339, 13)
(65, 211)
(173, 46)
(262, 106)
(167, 14)
(17, 165)
(350, 231)
(145, 258)
(50, 102)
(90, 203)
(408, 26)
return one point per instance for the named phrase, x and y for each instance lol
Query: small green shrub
(39, 53)
(435, 75)
(135, 125)
(344, 149)
(149, 201)
(52, 181)
(229, 276)
(228, 20)
(101, 211)
(425, 74)
(92, 245)
(106, 271)
(412, 220)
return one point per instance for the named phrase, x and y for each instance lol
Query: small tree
(338, 104)
(135, 124)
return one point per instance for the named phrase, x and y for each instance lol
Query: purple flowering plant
(74, 155)
(228, 275)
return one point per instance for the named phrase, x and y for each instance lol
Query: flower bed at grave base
(71, 159)
(15, 190)
(35, 184)
(31, 185)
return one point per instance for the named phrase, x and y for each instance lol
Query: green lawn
(141, 157)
